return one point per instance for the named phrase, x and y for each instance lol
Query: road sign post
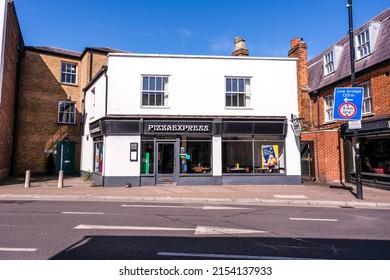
(348, 107)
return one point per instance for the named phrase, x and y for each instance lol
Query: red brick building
(11, 48)
(327, 145)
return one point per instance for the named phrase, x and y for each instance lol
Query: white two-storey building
(191, 120)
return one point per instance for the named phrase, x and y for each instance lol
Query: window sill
(328, 74)
(363, 57)
(69, 84)
(238, 108)
(366, 115)
(329, 122)
(66, 123)
(155, 107)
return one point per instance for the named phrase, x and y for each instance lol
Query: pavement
(306, 194)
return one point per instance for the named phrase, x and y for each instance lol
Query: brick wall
(37, 128)
(328, 144)
(40, 92)
(8, 90)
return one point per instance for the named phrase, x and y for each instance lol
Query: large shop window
(98, 154)
(195, 155)
(147, 157)
(375, 153)
(253, 155)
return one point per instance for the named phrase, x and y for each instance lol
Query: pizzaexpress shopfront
(214, 151)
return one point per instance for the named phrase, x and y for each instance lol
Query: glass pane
(147, 157)
(237, 157)
(241, 85)
(228, 100)
(152, 83)
(159, 99)
(165, 88)
(145, 99)
(166, 157)
(145, 83)
(247, 85)
(159, 85)
(234, 100)
(195, 157)
(152, 99)
(234, 85)
(228, 85)
(241, 101)
(269, 157)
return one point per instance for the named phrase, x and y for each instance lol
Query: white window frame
(329, 106)
(152, 90)
(363, 43)
(66, 114)
(235, 90)
(367, 98)
(329, 62)
(69, 73)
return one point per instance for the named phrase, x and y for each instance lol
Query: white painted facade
(196, 91)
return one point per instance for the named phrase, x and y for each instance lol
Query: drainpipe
(105, 74)
(104, 138)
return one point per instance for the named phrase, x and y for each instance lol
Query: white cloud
(185, 33)
(221, 45)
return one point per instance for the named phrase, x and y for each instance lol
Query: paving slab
(306, 194)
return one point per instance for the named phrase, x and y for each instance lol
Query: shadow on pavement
(187, 248)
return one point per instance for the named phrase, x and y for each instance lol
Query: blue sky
(201, 27)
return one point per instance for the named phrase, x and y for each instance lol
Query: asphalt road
(119, 231)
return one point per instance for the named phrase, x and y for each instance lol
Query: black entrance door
(307, 162)
(166, 163)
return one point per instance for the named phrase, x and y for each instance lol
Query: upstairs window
(331, 59)
(365, 40)
(66, 112)
(329, 103)
(154, 90)
(238, 92)
(363, 44)
(68, 73)
(367, 98)
(329, 63)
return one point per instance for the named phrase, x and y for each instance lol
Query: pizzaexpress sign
(190, 127)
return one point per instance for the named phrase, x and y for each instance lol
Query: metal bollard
(60, 179)
(27, 179)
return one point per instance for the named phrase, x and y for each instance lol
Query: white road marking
(290, 196)
(203, 230)
(223, 208)
(223, 256)
(18, 249)
(192, 207)
(157, 206)
(131, 228)
(83, 213)
(311, 219)
(199, 230)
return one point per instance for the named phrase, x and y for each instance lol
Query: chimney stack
(239, 47)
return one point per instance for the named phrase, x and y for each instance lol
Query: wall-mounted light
(296, 125)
